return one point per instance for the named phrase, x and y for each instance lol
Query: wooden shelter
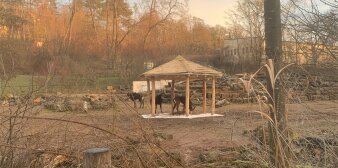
(182, 69)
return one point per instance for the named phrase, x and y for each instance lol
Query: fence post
(97, 158)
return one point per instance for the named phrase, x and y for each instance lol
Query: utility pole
(278, 132)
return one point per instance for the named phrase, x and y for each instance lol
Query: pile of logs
(316, 83)
(300, 86)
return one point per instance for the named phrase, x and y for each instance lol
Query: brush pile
(82, 103)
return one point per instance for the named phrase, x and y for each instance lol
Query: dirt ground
(189, 137)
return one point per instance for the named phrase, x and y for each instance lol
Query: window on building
(234, 51)
(247, 49)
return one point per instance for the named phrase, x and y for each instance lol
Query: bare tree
(314, 23)
(249, 18)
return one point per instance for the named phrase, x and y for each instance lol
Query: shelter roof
(181, 67)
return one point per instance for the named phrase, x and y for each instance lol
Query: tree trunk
(280, 152)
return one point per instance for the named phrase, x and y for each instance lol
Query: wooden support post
(213, 96)
(172, 94)
(97, 158)
(204, 95)
(187, 95)
(153, 95)
(148, 101)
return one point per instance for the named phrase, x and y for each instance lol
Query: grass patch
(303, 166)
(23, 84)
(44, 110)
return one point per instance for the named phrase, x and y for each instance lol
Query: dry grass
(42, 136)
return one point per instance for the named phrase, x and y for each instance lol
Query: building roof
(180, 67)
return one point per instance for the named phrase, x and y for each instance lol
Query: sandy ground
(190, 136)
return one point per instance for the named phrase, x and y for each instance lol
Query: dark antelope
(158, 101)
(136, 96)
(181, 99)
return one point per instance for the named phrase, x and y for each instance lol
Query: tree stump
(97, 158)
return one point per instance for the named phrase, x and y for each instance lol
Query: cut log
(97, 158)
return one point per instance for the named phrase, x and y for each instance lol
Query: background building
(247, 54)
(242, 54)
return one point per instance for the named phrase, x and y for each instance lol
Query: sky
(211, 11)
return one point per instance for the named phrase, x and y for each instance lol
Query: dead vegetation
(46, 138)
